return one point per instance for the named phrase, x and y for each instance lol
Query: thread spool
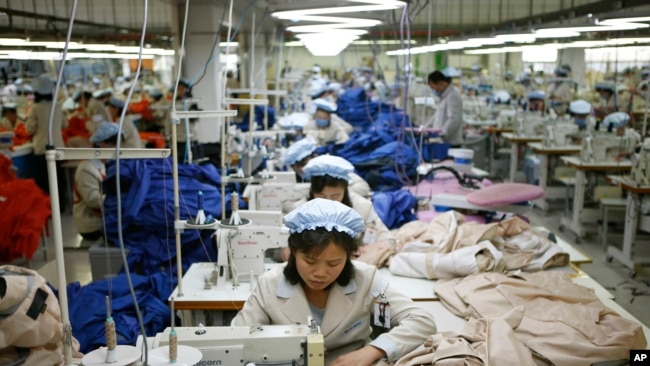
(234, 202)
(173, 346)
(111, 335)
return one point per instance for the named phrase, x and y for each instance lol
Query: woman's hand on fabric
(365, 356)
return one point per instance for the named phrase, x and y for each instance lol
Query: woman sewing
(344, 297)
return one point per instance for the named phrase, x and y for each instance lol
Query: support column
(575, 57)
(202, 28)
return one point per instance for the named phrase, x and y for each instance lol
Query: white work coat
(332, 134)
(449, 116)
(36, 125)
(98, 113)
(346, 324)
(131, 134)
(87, 202)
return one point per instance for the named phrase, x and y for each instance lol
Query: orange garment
(76, 127)
(21, 136)
(21, 230)
(142, 108)
(155, 139)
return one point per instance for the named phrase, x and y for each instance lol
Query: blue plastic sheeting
(88, 310)
(259, 118)
(148, 211)
(395, 208)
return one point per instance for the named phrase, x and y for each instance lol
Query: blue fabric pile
(88, 309)
(357, 109)
(259, 118)
(395, 208)
(148, 211)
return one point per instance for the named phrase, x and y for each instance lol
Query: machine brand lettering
(209, 363)
(269, 195)
(246, 242)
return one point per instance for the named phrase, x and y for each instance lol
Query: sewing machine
(297, 344)
(530, 124)
(271, 195)
(241, 248)
(641, 165)
(506, 118)
(560, 134)
(606, 147)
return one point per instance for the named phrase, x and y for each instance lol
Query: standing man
(449, 115)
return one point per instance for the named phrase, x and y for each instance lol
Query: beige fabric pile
(449, 247)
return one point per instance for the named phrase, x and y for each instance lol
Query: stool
(606, 205)
(504, 156)
(569, 183)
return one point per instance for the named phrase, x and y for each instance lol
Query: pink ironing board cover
(505, 194)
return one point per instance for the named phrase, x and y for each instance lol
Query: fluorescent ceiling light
(487, 41)
(326, 44)
(383, 42)
(487, 51)
(625, 20)
(373, 6)
(322, 28)
(293, 44)
(12, 41)
(517, 37)
(552, 33)
(358, 22)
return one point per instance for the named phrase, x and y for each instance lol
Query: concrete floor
(631, 294)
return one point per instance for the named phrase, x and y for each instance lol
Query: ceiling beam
(26, 14)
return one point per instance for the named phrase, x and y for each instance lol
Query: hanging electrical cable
(56, 217)
(119, 188)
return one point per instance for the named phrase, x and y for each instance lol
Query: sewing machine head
(641, 165)
(299, 344)
(506, 118)
(531, 124)
(242, 248)
(605, 147)
(560, 134)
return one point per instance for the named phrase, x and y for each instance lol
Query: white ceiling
(120, 20)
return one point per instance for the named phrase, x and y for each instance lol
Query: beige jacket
(348, 313)
(333, 134)
(88, 199)
(37, 126)
(97, 113)
(563, 322)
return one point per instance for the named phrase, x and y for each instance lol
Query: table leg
(514, 155)
(543, 180)
(574, 223)
(629, 235)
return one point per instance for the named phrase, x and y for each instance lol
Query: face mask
(581, 122)
(435, 93)
(322, 122)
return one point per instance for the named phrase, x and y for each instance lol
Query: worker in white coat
(36, 125)
(560, 92)
(131, 134)
(580, 110)
(321, 281)
(607, 103)
(300, 153)
(88, 177)
(10, 119)
(323, 129)
(449, 114)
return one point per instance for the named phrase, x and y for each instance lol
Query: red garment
(28, 209)
(155, 139)
(20, 135)
(142, 108)
(7, 174)
(76, 127)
